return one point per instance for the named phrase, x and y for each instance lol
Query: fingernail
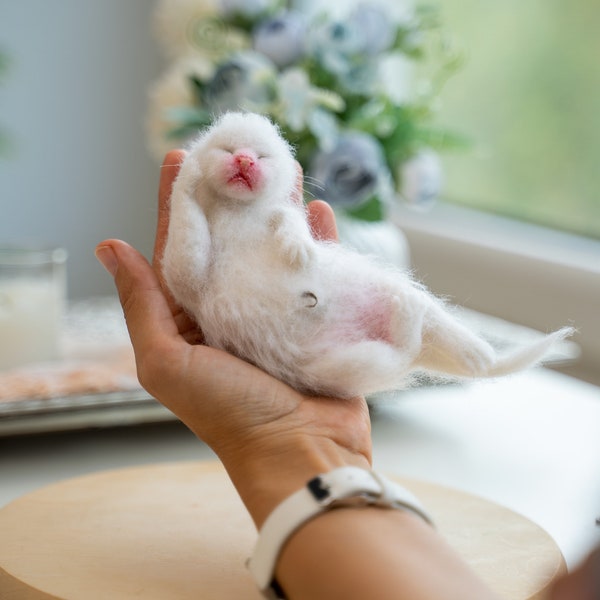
(108, 259)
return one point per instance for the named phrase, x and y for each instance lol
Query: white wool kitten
(240, 259)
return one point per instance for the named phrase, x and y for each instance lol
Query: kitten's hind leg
(450, 347)
(356, 369)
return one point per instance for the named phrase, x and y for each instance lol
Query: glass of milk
(32, 300)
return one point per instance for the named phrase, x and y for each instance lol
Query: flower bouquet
(354, 91)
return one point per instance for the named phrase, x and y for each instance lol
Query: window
(528, 97)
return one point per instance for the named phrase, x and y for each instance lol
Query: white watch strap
(346, 485)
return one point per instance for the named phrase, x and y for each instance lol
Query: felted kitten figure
(240, 259)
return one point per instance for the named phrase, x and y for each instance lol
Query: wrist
(343, 487)
(267, 473)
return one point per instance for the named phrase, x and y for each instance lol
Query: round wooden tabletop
(179, 531)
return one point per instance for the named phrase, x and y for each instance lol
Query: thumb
(321, 219)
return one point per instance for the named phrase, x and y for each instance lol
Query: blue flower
(281, 38)
(349, 49)
(335, 44)
(376, 29)
(349, 174)
(362, 78)
(244, 82)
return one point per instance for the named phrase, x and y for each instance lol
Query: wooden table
(178, 531)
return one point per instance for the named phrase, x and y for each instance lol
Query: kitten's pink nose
(244, 161)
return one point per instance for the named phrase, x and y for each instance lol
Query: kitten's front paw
(299, 255)
(295, 251)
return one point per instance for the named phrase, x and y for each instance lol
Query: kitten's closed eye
(233, 150)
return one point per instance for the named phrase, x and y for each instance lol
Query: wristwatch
(345, 486)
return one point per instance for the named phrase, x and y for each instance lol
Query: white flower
(397, 74)
(295, 98)
(215, 39)
(298, 98)
(173, 20)
(421, 179)
(324, 126)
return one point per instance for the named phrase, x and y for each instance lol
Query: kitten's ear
(297, 195)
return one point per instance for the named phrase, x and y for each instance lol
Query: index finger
(321, 219)
(168, 173)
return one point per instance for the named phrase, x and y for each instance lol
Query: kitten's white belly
(288, 322)
(259, 312)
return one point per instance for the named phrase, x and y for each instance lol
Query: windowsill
(520, 272)
(499, 234)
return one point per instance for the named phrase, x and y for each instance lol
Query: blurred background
(527, 97)
(75, 169)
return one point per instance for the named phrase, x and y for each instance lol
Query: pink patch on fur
(367, 316)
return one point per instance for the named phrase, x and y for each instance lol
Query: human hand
(581, 583)
(270, 438)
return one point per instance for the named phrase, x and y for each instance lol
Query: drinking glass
(32, 300)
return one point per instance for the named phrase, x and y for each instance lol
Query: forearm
(358, 553)
(348, 552)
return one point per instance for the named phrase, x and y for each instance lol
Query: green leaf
(402, 139)
(370, 211)
(248, 23)
(198, 88)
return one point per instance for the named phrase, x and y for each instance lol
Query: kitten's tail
(530, 355)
